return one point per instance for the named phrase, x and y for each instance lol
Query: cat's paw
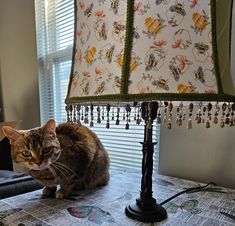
(60, 194)
(49, 191)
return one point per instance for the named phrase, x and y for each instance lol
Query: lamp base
(149, 213)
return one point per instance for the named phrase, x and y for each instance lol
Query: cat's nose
(39, 162)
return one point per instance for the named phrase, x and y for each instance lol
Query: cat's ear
(11, 134)
(49, 128)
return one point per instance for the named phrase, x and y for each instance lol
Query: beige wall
(18, 62)
(199, 154)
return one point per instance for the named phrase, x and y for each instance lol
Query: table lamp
(160, 55)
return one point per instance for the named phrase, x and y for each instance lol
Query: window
(123, 145)
(55, 26)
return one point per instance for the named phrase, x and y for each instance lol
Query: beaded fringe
(221, 114)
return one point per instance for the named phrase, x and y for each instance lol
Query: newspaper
(106, 205)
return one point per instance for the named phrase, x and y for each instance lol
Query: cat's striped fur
(69, 155)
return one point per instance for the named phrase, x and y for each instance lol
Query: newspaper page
(106, 205)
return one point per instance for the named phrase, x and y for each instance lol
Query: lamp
(153, 53)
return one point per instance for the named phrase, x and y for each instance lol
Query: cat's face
(35, 149)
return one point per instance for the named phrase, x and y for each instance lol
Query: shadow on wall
(28, 109)
(25, 107)
(22, 107)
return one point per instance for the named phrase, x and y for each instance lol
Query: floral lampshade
(126, 50)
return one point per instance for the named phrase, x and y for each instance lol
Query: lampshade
(126, 50)
(152, 52)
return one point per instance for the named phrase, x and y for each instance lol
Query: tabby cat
(69, 155)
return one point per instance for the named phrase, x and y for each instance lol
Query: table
(105, 205)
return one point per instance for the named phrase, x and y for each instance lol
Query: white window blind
(55, 30)
(55, 26)
(123, 145)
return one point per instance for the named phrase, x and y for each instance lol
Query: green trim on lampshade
(74, 50)
(230, 28)
(153, 97)
(214, 45)
(223, 36)
(125, 97)
(127, 47)
(219, 58)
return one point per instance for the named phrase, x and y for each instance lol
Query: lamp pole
(146, 209)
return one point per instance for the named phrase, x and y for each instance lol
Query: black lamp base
(146, 208)
(155, 213)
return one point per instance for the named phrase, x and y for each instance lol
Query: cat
(69, 155)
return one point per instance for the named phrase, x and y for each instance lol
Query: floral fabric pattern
(174, 48)
(100, 36)
(171, 48)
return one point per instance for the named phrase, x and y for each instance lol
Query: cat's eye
(26, 153)
(46, 151)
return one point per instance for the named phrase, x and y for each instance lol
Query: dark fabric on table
(5, 155)
(13, 183)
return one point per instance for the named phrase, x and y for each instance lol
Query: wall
(18, 62)
(199, 154)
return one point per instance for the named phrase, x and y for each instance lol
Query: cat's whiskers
(57, 178)
(53, 171)
(66, 168)
(61, 170)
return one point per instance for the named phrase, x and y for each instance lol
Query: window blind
(123, 145)
(55, 27)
